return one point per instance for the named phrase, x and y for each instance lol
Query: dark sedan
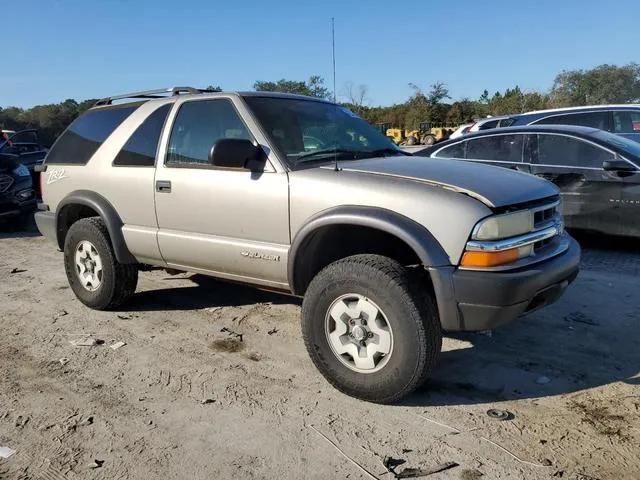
(597, 172)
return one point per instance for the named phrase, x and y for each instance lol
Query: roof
(494, 117)
(576, 130)
(584, 107)
(571, 129)
(164, 93)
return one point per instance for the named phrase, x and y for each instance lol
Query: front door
(230, 223)
(631, 203)
(590, 195)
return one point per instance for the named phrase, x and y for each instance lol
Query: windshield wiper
(389, 150)
(330, 151)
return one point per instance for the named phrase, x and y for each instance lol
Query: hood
(494, 186)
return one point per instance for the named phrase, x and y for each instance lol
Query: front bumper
(10, 208)
(476, 300)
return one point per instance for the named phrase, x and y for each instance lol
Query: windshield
(304, 130)
(628, 146)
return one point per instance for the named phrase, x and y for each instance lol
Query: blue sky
(87, 48)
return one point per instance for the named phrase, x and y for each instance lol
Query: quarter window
(85, 135)
(140, 149)
(626, 121)
(452, 151)
(589, 119)
(198, 126)
(563, 151)
(501, 148)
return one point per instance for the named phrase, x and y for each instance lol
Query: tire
(412, 141)
(113, 282)
(429, 140)
(416, 335)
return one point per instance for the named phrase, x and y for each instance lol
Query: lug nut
(370, 335)
(352, 322)
(364, 322)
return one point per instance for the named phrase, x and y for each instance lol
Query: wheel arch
(416, 237)
(78, 204)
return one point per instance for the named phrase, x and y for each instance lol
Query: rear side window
(85, 135)
(140, 149)
(626, 121)
(562, 151)
(452, 151)
(501, 148)
(590, 119)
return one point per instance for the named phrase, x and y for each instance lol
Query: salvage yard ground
(213, 382)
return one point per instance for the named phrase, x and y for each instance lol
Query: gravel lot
(185, 398)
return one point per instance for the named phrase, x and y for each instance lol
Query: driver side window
(198, 126)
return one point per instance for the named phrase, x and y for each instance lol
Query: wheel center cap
(359, 333)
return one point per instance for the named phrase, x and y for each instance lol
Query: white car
(462, 130)
(492, 122)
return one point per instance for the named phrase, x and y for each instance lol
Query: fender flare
(109, 215)
(416, 236)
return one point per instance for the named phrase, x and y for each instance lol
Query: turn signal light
(489, 259)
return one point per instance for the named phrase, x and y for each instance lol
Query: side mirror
(233, 153)
(618, 165)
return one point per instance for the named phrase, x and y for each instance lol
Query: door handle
(163, 186)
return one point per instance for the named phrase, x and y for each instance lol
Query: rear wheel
(95, 276)
(369, 330)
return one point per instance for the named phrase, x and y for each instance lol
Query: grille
(5, 182)
(544, 216)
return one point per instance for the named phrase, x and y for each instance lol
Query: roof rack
(158, 93)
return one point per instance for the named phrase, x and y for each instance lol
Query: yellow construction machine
(427, 134)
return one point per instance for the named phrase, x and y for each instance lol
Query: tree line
(600, 85)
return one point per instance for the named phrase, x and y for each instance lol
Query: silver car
(301, 196)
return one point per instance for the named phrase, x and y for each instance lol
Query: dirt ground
(187, 397)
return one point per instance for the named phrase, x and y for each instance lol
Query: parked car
(461, 130)
(229, 185)
(622, 120)
(597, 172)
(26, 148)
(489, 123)
(17, 196)
(5, 134)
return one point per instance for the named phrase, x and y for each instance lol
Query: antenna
(333, 56)
(333, 45)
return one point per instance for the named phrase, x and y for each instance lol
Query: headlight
(21, 171)
(504, 226)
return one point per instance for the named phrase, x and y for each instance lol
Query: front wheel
(95, 275)
(371, 331)
(428, 139)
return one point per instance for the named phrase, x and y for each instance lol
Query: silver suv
(301, 196)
